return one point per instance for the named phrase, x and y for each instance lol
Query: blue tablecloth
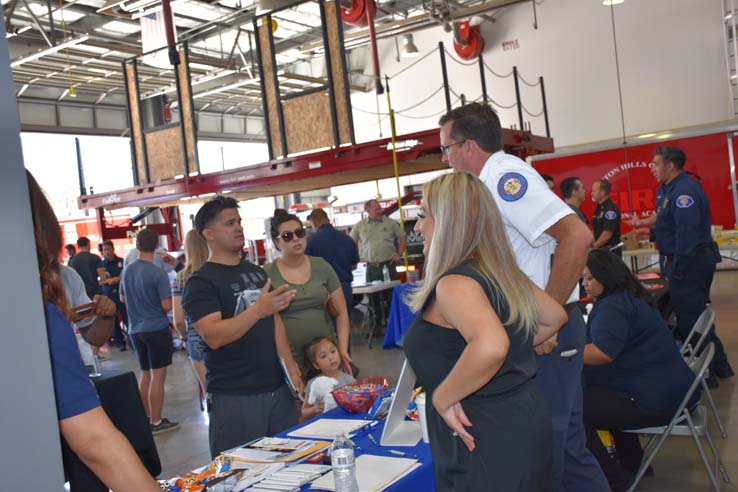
(400, 318)
(419, 480)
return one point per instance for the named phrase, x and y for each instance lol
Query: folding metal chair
(703, 328)
(685, 423)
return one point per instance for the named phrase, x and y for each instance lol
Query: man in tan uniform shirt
(381, 242)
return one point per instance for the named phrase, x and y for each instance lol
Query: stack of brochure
(275, 450)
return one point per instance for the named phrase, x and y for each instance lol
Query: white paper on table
(254, 473)
(329, 428)
(254, 454)
(373, 473)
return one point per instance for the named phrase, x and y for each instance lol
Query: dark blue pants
(690, 294)
(574, 469)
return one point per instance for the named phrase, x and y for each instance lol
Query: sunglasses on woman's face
(288, 235)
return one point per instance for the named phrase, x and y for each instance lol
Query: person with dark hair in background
(71, 250)
(538, 224)
(572, 189)
(634, 374)
(85, 428)
(316, 286)
(145, 290)
(232, 305)
(606, 218)
(89, 267)
(549, 181)
(334, 247)
(684, 239)
(110, 287)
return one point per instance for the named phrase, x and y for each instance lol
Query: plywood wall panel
(136, 135)
(338, 68)
(187, 114)
(166, 156)
(270, 87)
(308, 122)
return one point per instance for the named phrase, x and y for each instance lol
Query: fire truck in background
(711, 152)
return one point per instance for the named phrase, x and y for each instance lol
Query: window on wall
(218, 156)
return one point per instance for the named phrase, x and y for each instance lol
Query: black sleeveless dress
(511, 422)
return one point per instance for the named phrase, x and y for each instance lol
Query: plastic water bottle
(385, 273)
(344, 467)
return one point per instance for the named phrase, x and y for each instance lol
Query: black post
(545, 106)
(136, 88)
(446, 91)
(517, 98)
(81, 172)
(483, 79)
(262, 85)
(280, 111)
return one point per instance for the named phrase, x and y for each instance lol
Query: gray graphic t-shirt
(249, 365)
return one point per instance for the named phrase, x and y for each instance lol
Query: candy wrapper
(218, 472)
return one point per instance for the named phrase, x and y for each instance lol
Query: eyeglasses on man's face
(444, 148)
(287, 236)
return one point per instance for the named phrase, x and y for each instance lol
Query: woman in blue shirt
(634, 375)
(83, 423)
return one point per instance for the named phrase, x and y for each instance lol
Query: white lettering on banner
(110, 200)
(624, 167)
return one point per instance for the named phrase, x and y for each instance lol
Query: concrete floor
(677, 466)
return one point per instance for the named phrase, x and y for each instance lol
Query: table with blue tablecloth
(400, 317)
(420, 479)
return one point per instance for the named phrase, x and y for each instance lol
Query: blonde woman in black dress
(472, 345)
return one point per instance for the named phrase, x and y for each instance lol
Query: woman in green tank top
(315, 283)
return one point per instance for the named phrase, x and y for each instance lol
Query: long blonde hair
(468, 226)
(196, 252)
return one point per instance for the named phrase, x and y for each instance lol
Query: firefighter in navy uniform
(606, 218)
(683, 238)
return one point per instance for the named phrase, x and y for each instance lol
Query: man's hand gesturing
(274, 301)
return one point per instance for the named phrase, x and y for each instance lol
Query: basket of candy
(359, 396)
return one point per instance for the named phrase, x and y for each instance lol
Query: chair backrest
(702, 328)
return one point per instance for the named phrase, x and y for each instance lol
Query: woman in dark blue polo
(634, 375)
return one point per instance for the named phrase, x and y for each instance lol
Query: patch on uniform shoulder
(512, 186)
(611, 215)
(684, 201)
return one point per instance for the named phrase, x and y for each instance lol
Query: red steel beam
(340, 160)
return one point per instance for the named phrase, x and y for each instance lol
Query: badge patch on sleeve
(512, 186)
(684, 201)
(611, 215)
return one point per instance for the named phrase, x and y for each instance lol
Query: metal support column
(446, 89)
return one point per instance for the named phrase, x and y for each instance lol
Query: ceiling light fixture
(608, 3)
(409, 50)
(48, 51)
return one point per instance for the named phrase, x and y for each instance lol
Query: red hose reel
(468, 42)
(356, 15)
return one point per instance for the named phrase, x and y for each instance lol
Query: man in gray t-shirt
(145, 290)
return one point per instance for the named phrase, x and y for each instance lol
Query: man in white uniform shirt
(538, 224)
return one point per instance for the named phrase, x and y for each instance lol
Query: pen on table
(400, 453)
(364, 429)
(371, 438)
